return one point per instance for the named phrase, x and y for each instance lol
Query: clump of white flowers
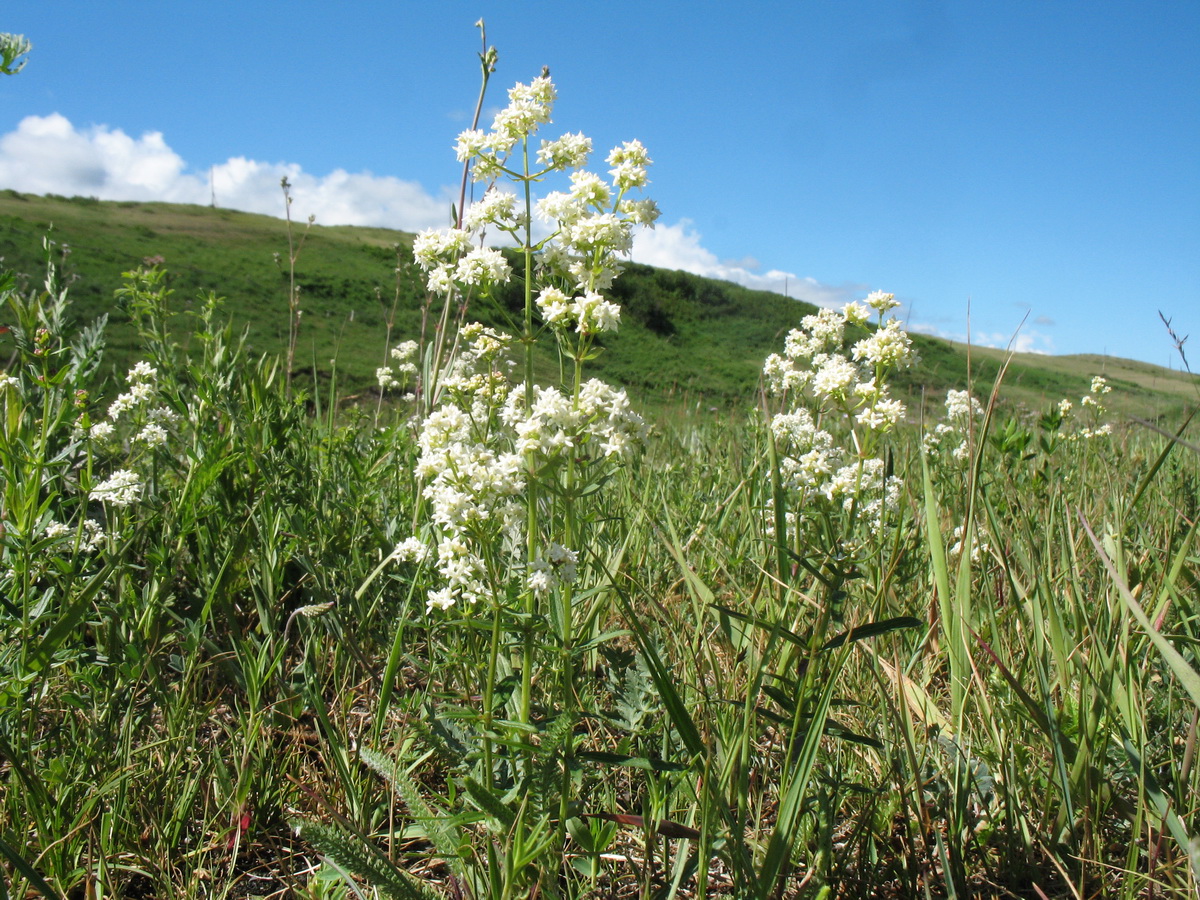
(478, 450)
(980, 547)
(488, 446)
(821, 380)
(149, 423)
(1092, 410)
(403, 368)
(122, 488)
(955, 432)
(91, 535)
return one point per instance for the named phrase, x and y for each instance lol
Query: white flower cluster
(818, 378)
(478, 449)
(813, 469)
(557, 567)
(529, 106)
(122, 488)
(486, 440)
(1093, 403)
(962, 411)
(600, 422)
(813, 361)
(593, 220)
(136, 404)
(7, 381)
(979, 544)
(403, 369)
(412, 550)
(93, 537)
(589, 313)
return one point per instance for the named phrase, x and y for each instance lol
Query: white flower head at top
(962, 406)
(142, 372)
(529, 105)
(882, 301)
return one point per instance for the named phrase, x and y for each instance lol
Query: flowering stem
(531, 497)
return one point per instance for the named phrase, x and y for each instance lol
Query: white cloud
(48, 155)
(679, 247)
(1022, 342)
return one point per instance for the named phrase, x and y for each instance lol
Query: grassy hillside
(683, 337)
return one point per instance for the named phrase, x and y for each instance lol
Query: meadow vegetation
(470, 622)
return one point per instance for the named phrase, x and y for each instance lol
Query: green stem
(488, 694)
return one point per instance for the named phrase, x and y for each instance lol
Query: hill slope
(682, 336)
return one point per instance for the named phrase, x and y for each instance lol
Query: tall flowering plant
(832, 486)
(509, 469)
(503, 463)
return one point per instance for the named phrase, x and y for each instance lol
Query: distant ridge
(682, 336)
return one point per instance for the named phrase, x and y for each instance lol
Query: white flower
(641, 212)
(470, 143)
(962, 405)
(483, 266)
(101, 430)
(94, 536)
(123, 488)
(404, 351)
(497, 206)
(835, 376)
(889, 347)
(568, 152)
(593, 314)
(589, 189)
(143, 371)
(153, 435)
(439, 599)
(881, 301)
(826, 330)
(7, 381)
(855, 313)
(55, 530)
(882, 416)
(411, 549)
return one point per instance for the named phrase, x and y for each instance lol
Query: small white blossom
(882, 301)
(153, 435)
(123, 488)
(567, 152)
(411, 549)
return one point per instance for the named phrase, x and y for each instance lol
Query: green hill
(682, 337)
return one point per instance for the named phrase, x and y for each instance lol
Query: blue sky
(1010, 160)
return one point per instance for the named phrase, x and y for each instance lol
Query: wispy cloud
(680, 246)
(49, 155)
(1024, 341)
